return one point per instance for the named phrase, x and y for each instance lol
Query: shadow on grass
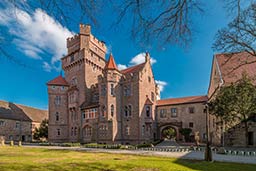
(214, 166)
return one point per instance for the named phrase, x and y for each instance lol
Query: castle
(97, 102)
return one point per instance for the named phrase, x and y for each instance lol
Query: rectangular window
(162, 113)
(173, 112)
(2, 123)
(127, 130)
(57, 100)
(83, 114)
(112, 90)
(127, 90)
(17, 126)
(58, 131)
(103, 90)
(191, 110)
(191, 124)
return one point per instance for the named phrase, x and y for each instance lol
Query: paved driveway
(195, 155)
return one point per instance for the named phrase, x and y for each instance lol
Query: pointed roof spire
(111, 63)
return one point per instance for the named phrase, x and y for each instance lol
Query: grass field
(26, 159)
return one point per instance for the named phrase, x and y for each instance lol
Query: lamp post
(208, 152)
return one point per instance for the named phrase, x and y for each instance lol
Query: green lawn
(25, 159)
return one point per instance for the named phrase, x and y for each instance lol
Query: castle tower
(82, 65)
(58, 120)
(113, 97)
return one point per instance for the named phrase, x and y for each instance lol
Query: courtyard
(26, 158)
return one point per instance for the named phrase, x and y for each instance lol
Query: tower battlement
(85, 29)
(73, 40)
(77, 41)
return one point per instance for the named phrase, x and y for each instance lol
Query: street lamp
(208, 152)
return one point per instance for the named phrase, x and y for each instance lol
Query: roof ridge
(23, 105)
(184, 97)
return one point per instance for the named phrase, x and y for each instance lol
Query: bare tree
(150, 22)
(240, 34)
(162, 21)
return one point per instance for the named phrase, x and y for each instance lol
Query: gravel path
(195, 155)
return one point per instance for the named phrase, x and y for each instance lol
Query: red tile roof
(233, 65)
(58, 81)
(133, 69)
(182, 100)
(111, 63)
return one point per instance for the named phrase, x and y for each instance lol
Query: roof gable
(133, 69)
(58, 81)
(233, 65)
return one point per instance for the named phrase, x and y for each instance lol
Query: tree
(42, 131)
(186, 133)
(150, 22)
(169, 133)
(240, 34)
(235, 103)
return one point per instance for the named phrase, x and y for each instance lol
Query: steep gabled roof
(233, 65)
(111, 63)
(58, 81)
(182, 100)
(148, 102)
(133, 69)
(19, 112)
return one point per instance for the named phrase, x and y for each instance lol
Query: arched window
(112, 89)
(126, 111)
(57, 116)
(103, 111)
(143, 130)
(130, 110)
(72, 131)
(112, 110)
(148, 111)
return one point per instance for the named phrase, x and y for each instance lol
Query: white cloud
(161, 84)
(47, 67)
(36, 33)
(121, 66)
(140, 58)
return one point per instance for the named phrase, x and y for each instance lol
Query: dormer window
(149, 79)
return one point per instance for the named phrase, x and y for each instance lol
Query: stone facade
(180, 113)
(226, 69)
(18, 122)
(96, 102)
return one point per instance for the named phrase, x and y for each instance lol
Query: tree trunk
(246, 133)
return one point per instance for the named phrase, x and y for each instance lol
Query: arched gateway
(175, 126)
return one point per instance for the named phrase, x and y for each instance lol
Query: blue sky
(38, 40)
